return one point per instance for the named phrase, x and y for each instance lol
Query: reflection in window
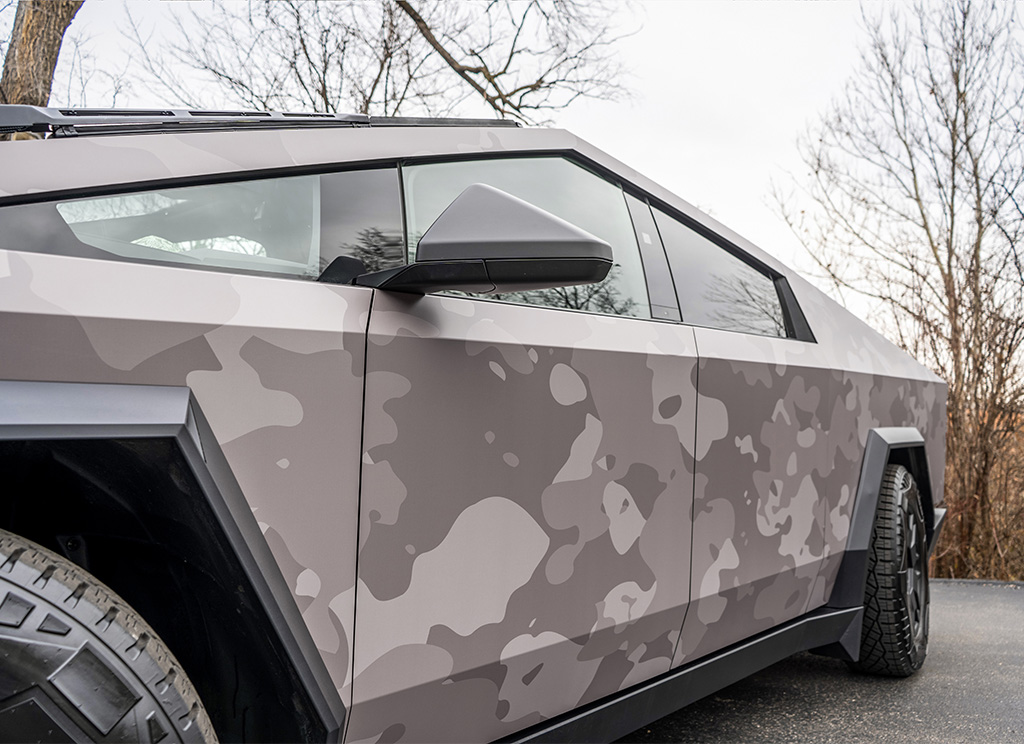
(361, 217)
(294, 226)
(565, 190)
(717, 289)
(744, 301)
(604, 297)
(266, 225)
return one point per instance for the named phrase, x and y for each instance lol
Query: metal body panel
(874, 384)
(525, 515)
(276, 365)
(762, 455)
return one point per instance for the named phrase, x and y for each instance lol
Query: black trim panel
(612, 718)
(73, 411)
(796, 323)
(882, 447)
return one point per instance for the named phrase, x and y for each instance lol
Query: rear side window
(267, 225)
(717, 289)
(294, 226)
(565, 190)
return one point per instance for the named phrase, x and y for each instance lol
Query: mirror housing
(490, 241)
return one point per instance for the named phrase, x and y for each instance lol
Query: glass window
(361, 217)
(294, 226)
(560, 187)
(717, 289)
(266, 225)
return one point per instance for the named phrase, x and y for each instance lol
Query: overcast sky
(721, 90)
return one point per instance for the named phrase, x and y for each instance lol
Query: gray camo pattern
(530, 488)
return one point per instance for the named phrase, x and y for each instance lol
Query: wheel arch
(903, 445)
(129, 481)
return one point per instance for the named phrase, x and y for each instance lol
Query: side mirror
(490, 241)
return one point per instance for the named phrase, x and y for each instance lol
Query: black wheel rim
(913, 573)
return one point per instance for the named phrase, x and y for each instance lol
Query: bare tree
(915, 193)
(519, 59)
(523, 58)
(83, 78)
(31, 54)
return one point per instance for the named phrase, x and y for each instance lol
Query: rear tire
(894, 638)
(78, 664)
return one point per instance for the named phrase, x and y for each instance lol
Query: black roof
(71, 121)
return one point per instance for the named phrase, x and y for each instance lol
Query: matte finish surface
(276, 365)
(688, 684)
(763, 420)
(525, 517)
(486, 223)
(517, 482)
(73, 411)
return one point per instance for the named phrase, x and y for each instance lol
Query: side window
(562, 188)
(266, 225)
(293, 226)
(717, 289)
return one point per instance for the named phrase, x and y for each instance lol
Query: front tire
(894, 638)
(78, 664)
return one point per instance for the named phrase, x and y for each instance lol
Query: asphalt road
(971, 688)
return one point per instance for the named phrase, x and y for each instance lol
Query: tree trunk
(39, 27)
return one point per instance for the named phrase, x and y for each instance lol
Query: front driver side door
(526, 486)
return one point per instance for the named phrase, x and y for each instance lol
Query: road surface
(971, 688)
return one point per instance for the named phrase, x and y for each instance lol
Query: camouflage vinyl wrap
(275, 364)
(525, 520)
(762, 441)
(531, 479)
(873, 384)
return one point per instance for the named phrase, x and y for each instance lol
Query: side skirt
(616, 716)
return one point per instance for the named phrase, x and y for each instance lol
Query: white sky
(721, 90)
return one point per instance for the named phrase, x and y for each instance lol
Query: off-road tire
(78, 664)
(894, 638)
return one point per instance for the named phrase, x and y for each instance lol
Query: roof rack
(63, 122)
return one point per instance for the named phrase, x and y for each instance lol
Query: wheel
(894, 639)
(78, 664)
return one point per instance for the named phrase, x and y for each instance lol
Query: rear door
(763, 412)
(526, 484)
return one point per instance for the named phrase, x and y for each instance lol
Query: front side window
(716, 289)
(560, 187)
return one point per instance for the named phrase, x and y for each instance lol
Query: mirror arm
(431, 276)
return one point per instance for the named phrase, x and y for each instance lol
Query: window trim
(792, 311)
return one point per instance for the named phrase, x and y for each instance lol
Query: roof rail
(57, 122)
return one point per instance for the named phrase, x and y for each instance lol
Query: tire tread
(887, 646)
(68, 600)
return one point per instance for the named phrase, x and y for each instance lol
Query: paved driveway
(971, 688)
